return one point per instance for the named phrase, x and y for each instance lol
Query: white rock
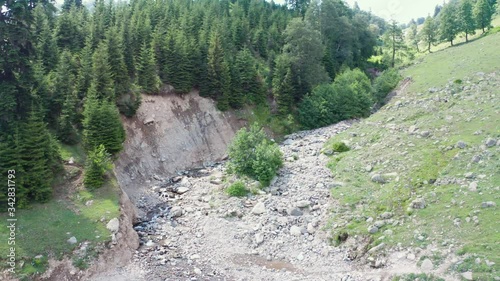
(427, 265)
(259, 208)
(72, 240)
(467, 275)
(182, 190)
(259, 238)
(113, 225)
(295, 230)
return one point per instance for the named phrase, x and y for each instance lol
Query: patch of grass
(463, 108)
(45, 228)
(237, 189)
(420, 277)
(340, 147)
(75, 151)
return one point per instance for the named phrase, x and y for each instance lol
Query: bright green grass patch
(465, 111)
(45, 228)
(75, 151)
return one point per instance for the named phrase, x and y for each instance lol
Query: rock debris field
(198, 232)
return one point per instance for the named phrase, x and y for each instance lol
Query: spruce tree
(66, 131)
(84, 77)
(46, 45)
(117, 62)
(97, 164)
(36, 158)
(102, 77)
(250, 83)
(466, 19)
(283, 90)
(64, 83)
(215, 65)
(147, 77)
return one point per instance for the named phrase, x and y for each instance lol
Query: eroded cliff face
(171, 133)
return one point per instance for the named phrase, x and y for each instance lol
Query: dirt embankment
(171, 133)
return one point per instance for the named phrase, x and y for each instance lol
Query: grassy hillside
(437, 143)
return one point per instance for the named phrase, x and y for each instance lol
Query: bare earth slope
(171, 133)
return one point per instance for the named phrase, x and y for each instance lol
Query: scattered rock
(461, 145)
(378, 178)
(490, 142)
(412, 129)
(488, 204)
(376, 248)
(418, 203)
(113, 225)
(259, 208)
(259, 238)
(295, 230)
(372, 229)
(425, 134)
(368, 168)
(149, 121)
(181, 189)
(296, 212)
(303, 204)
(411, 256)
(176, 212)
(71, 160)
(72, 240)
(473, 186)
(386, 215)
(197, 271)
(427, 265)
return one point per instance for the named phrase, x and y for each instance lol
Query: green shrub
(98, 163)
(349, 96)
(340, 147)
(237, 189)
(252, 154)
(385, 83)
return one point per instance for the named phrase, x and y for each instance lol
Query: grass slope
(413, 144)
(44, 229)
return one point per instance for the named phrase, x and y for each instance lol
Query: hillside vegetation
(423, 172)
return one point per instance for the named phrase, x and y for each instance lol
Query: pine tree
(117, 62)
(448, 22)
(84, 77)
(466, 19)
(102, 125)
(102, 77)
(98, 163)
(215, 65)
(36, 158)
(249, 83)
(429, 32)
(46, 45)
(64, 84)
(147, 77)
(67, 132)
(283, 85)
(10, 160)
(483, 13)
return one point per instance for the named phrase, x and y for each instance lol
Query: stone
(379, 224)
(303, 204)
(368, 168)
(412, 129)
(72, 240)
(427, 265)
(195, 257)
(310, 228)
(197, 271)
(388, 232)
(182, 190)
(71, 161)
(476, 158)
(473, 186)
(372, 229)
(295, 230)
(488, 204)
(300, 257)
(296, 212)
(418, 203)
(469, 175)
(378, 178)
(176, 212)
(411, 256)
(259, 238)
(467, 275)
(490, 142)
(89, 203)
(113, 225)
(376, 248)
(149, 121)
(386, 215)
(425, 134)
(259, 208)
(461, 145)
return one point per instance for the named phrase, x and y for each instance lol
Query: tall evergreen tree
(64, 84)
(66, 130)
(116, 61)
(102, 77)
(215, 65)
(394, 40)
(147, 77)
(466, 19)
